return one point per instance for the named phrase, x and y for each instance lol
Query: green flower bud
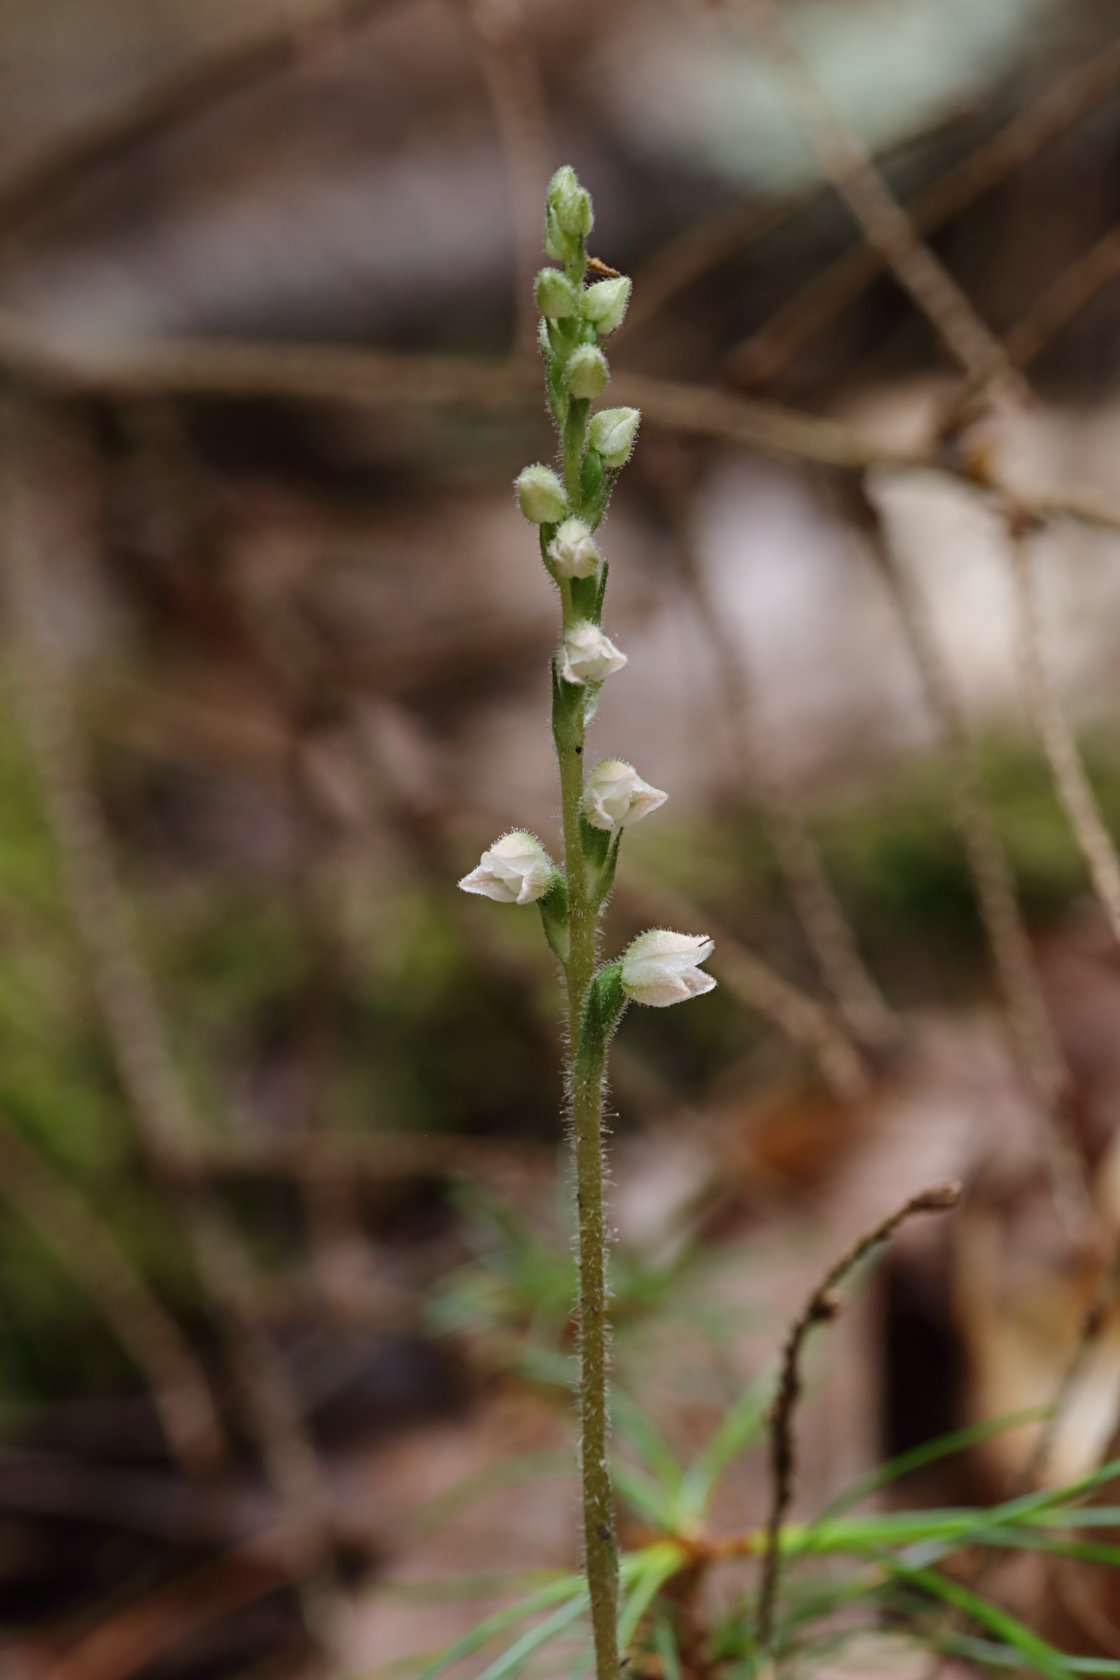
(586, 371)
(570, 204)
(556, 296)
(555, 241)
(612, 433)
(604, 303)
(540, 495)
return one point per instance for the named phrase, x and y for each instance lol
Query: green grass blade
(740, 1427)
(1035, 1540)
(1046, 1658)
(661, 1561)
(918, 1457)
(568, 1589)
(1004, 1656)
(531, 1641)
(518, 1467)
(888, 1528)
(1081, 1516)
(665, 1648)
(639, 1431)
(646, 1496)
(1015, 1510)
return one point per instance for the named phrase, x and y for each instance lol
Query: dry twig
(1074, 788)
(165, 1125)
(886, 225)
(271, 45)
(1065, 299)
(517, 97)
(827, 929)
(690, 254)
(1032, 1033)
(326, 373)
(91, 1256)
(770, 350)
(803, 1020)
(820, 1307)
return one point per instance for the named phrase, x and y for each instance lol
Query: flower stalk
(660, 967)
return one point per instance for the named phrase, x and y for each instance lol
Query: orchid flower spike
(616, 795)
(589, 656)
(515, 870)
(661, 967)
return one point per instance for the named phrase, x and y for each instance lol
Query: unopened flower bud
(516, 870)
(556, 296)
(604, 303)
(616, 795)
(589, 657)
(570, 204)
(586, 371)
(572, 550)
(612, 432)
(540, 495)
(661, 967)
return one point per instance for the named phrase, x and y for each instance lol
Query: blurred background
(285, 1347)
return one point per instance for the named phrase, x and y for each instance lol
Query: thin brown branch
(820, 1308)
(1065, 299)
(1058, 742)
(830, 935)
(136, 1635)
(886, 225)
(91, 1256)
(161, 1113)
(517, 97)
(327, 373)
(1080, 803)
(804, 1021)
(268, 47)
(1093, 1325)
(769, 351)
(692, 253)
(1031, 1030)
(703, 246)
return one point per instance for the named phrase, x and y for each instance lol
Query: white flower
(586, 371)
(612, 432)
(661, 968)
(516, 870)
(616, 795)
(572, 550)
(604, 303)
(589, 657)
(540, 495)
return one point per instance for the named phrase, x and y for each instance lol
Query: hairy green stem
(600, 1549)
(572, 441)
(585, 1075)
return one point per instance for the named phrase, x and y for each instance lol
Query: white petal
(486, 885)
